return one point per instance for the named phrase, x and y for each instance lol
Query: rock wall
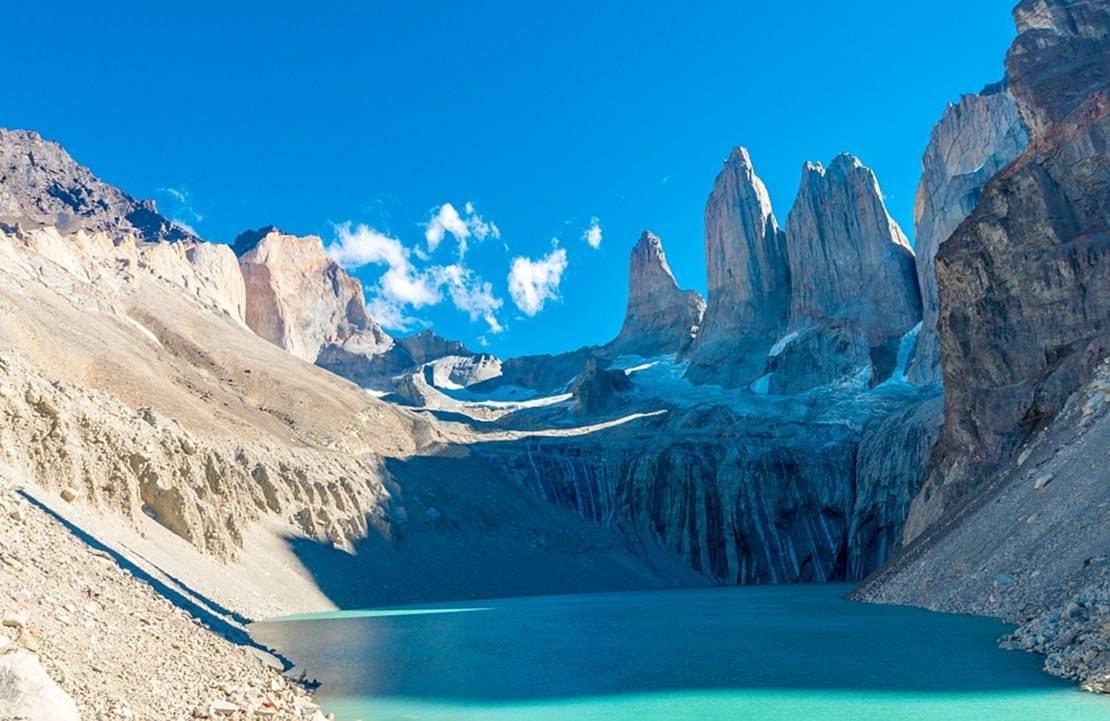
(748, 291)
(1023, 284)
(41, 185)
(660, 317)
(301, 300)
(973, 140)
(742, 498)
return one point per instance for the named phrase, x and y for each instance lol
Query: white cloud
(180, 210)
(446, 219)
(403, 285)
(182, 225)
(592, 235)
(471, 294)
(532, 282)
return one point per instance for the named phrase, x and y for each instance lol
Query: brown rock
(298, 298)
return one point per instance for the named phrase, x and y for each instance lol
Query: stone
(596, 389)
(1023, 282)
(41, 185)
(69, 495)
(265, 658)
(1043, 481)
(14, 619)
(27, 692)
(300, 299)
(973, 140)
(224, 708)
(748, 288)
(660, 318)
(853, 284)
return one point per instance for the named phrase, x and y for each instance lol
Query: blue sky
(526, 129)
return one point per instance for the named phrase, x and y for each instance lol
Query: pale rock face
(41, 185)
(748, 279)
(298, 298)
(973, 140)
(660, 318)
(853, 284)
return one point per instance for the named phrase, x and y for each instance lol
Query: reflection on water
(754, 653)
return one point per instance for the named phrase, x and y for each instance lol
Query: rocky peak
(748, 278)
(297, 297)
(1059, 58)
(661, 318)
(973, 140)
(1024, 281)
(848, 258)
(41, 185)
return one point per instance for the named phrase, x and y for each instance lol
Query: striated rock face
(748, 279)
(299, 299)
(41, 185)
(973, 140)
(853, 286)
(1023, 283)
(661, 318)
(745, 498)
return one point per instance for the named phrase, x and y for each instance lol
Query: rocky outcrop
(853, 286)
(766, 494)
(748, 291)
(595, 389)
(660, 318)
(41, 185)
(299, 299)
(1023, 283)
(974, 139)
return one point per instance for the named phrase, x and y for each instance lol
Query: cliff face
(298, 298)
(41, 185)
(972, 141)
(748, 290)
(1023, 284)
(853, 287)
(757, 495)
(660, 318)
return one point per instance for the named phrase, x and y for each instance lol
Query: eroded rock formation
(660, 318)
(299, 299)
(853, 285)
(41, 185)
(748, 291)
(1023, 283)
(973, 140)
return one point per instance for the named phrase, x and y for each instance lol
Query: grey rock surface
(27, 692)
(1023, 283)
(748, 290)
(660, 318)
(41, 185)
(973, 140)
(852, 276)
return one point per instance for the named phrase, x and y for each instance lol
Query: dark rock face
(660, 318)
(1024, 282)
(748, 279)
(41, 184)
(595, 388)
(973, 140)
(745, 499)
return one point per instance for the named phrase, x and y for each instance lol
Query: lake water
(755, 653)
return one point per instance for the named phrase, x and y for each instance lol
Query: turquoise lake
(754, 653)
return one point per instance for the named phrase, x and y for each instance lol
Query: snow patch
(781, 344)
(145, 331)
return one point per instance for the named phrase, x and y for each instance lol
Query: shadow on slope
(461, 530)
